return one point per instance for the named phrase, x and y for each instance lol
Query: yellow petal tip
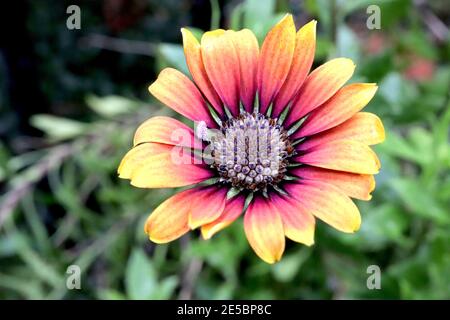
(209, 231)
(312, 23)
(270, 260)
(150, 87)
(286, 21)
(156, 240)
(193, 224)
(206, 234)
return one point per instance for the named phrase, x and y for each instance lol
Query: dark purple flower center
(251, 151)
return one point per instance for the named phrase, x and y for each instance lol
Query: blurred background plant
(70, 101)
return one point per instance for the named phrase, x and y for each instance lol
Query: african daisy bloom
(279, 144)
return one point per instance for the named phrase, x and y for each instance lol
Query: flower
(280, 145)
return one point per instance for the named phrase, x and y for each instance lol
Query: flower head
(272, 141)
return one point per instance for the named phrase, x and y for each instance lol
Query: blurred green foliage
(66, 206)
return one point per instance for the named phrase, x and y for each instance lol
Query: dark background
(70, 101)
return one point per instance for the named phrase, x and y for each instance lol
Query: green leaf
(417, 147)
(255, 12)
(288, 267)
(323, 47)
(391, 88)
(258, 17)
(111, 106)
(350, 6)
(111, 294)
(4, 159)
(382, 225)
(347, 44)
(58, 128)
(140, 276)
(420, 203)
(215, 14)
(29, 289)
(173, 56)
(392, 11)
(321, 9)
(198, 33)
(417, 41)
(41, 267)
(166, 288)
(398, 92)
(236, 17)
(10, 244)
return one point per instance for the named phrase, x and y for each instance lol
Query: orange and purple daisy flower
(272, 141)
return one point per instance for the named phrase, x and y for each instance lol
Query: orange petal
(153, 165)
(327, 203)
(169, 220)
(342, 155)
(354, 185)
(194, 60)
(168, 131)
(305, 46)
(298, 223)
(233, 209)
(222, 66)
(247, 48)
(320, 86)
(264, 230)
(176, 91)
(342, 106)
(136, 157)
(363, 127)
(207, 206)
(275, 60)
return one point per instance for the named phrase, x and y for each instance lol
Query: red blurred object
(122, 14)
(375, 43)
(419, 69)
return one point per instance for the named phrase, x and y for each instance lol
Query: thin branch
(190, 274)
(190, 277)
(11, 199)
(100, 41)
(54, 157)
(437, 28)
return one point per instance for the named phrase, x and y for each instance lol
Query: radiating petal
(320, 86)
(342, 106)
(153, 165)
(207, 206)
(194, 60)
(264, 230)
(247, 48)
(327, 203)
(354, 185)
(137, 157)
(233, 209)
(305, 46)
(222, 66)
(161, 172)
(298, 223)
(176, 91)
(275, 60)
(168, 131)
(342, 155)
(363, 127)
(169, 220)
